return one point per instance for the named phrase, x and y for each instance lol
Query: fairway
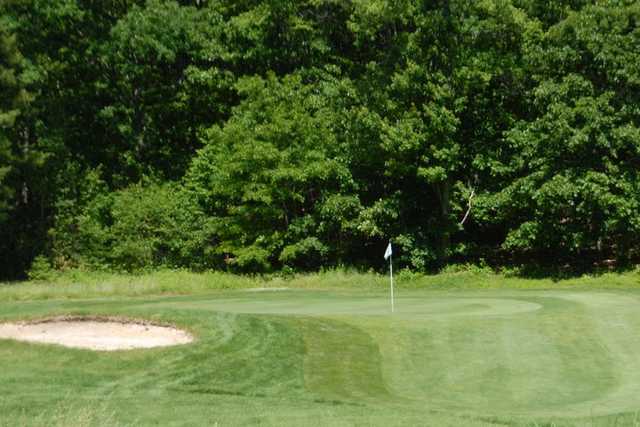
(304, 357)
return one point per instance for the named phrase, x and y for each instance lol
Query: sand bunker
(95, 334)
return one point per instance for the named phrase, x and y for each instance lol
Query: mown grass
(83, 284)
(464, 348)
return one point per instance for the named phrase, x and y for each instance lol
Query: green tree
(161, 84)
(573, 188)
(272, 181)
(57, 127)
(136, 228)
(14, 97)
(307, 133)
(447, 80)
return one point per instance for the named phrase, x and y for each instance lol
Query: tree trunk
(443, 190)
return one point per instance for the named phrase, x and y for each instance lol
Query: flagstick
(391, 278)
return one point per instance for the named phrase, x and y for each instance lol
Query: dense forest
(265, 135)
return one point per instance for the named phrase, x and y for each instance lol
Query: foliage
(573, 187)
(41, 269)
(9, 85)
(15, 158)
(262, 136)
(134, 228)
(160, 84)
(271, 179)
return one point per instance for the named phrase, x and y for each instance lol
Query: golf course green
(330, 357)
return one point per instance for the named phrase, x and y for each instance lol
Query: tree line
(261, 135)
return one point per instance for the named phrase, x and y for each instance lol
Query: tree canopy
(260, 135)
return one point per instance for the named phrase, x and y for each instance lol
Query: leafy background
(259, 135)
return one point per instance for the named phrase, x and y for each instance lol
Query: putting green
(491, 355)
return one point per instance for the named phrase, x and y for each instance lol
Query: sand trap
(95, 334)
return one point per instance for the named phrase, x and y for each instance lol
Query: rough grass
(82, 284)
(466, 348)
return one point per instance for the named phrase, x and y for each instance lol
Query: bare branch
(466, 215)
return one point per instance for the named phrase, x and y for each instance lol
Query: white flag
(388, 252)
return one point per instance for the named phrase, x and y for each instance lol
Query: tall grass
(83, 284)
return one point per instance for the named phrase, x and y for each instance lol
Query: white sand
(95, 334)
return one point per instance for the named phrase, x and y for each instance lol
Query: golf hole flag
(388, 252)
(387, 256)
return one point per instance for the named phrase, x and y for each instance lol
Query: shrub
(137, 228)
(41, 269)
